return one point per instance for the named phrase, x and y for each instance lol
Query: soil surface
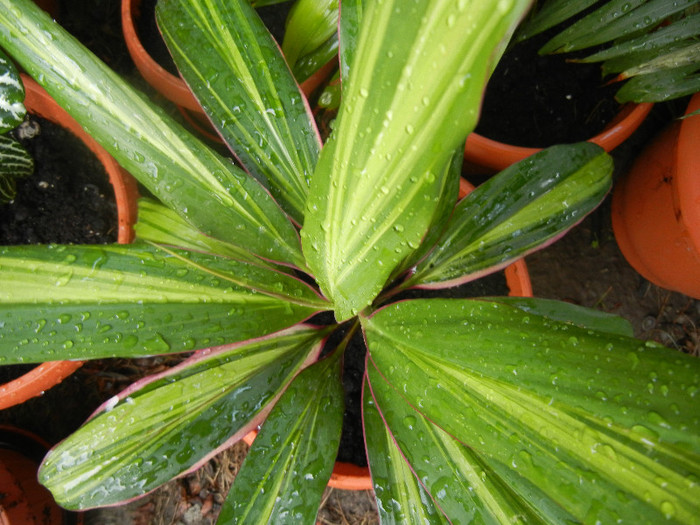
(68, 198)
(539, 101)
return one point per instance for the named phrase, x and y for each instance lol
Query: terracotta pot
(496, 156)
(24, 501)
(38, 102)
(656, 208)
(347, 476)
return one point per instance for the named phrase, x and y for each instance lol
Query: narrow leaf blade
(290, 462)
(85, 302)
(530, 203)
(400, 498)
(166, 425)
(246, 88)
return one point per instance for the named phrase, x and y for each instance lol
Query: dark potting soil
(68, 199)
(352, 444)
(539, 101)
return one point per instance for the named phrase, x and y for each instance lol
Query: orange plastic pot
(23, 501)
(171, 86)
(347, 476)
(496, 156)
(656, 208)
(38, 102)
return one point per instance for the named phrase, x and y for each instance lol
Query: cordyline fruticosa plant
(491, 410)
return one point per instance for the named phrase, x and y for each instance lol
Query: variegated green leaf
(407, 106)
(614, 20)
(15, 162)
(603, 427)
(246, 88)
(460, 483)
(661, 86)
(161, 225)
(516, 212)
(290, 462)
(12, 109)
(205, 188)
(168, 424)
(348, 32)
(82, 302)
(400, 498)
(310, 36)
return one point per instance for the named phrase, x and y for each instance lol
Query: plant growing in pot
(554, 99)
(488, 409)
(17, 160)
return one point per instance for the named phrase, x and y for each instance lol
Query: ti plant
(492, 410)
(15, 160)
(654, 43)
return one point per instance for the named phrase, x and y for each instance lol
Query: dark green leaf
(515, 212)
(603, 426)
(168, 424)
(246, 88)
(661, 86)
(84, 302)
(614, 20)
(348, 32)
(552, 13)
(290, 462)
(570, 313)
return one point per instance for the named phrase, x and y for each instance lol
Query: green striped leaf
(168, 424)
(550, 14)
(400, 498)
(459, 482)
(417, 90)
(529, 203)
(204, 188)
(602, 426)
(661, 86)
(82, 302)
(161, 225)
(686, 55)
(677, 31)
(310, 36)
(290, 462)
(614, 20)
(15, 162)
(246, 88)
(12, 109)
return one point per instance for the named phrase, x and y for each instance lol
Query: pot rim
(39, 102)
(495, 155)
(688, 172)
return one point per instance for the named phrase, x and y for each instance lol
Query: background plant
(653, 43)
(15, 160)
(489, 410)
